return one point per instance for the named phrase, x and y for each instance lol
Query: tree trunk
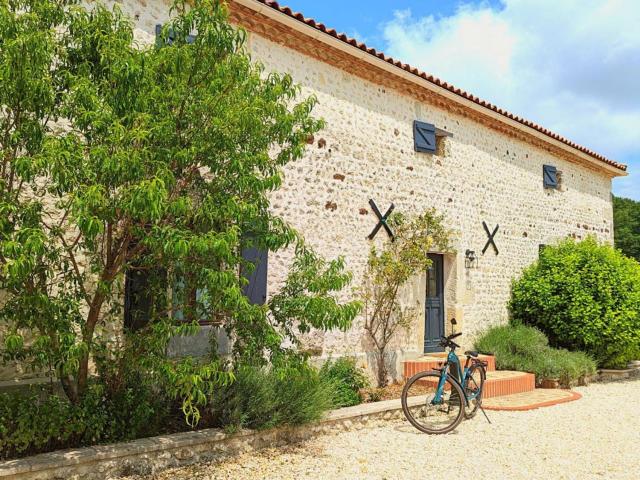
(68, 386)
(87, 338)
(382, 367)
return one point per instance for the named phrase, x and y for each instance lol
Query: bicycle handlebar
(448, 341)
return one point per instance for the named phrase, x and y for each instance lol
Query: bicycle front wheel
(428, 411)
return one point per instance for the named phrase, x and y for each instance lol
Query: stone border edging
(609, 375)
(149, 455)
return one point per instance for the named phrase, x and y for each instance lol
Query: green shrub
(261, 398)
(583, 296)
(38, 421)
(347, 378)
(522, 348)
(518, 341)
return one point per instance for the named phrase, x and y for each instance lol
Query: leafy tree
(626, 221)
(306, 299)
(583, 296)
(119, 157)
(389, 269)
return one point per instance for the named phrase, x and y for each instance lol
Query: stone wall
(366, 152)
(147, 456)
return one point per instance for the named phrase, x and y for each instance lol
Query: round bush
(583, 296)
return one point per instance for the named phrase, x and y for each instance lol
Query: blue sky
(571, 65)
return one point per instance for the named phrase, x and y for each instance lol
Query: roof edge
(332, 38)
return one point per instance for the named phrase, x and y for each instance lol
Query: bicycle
(436, 401)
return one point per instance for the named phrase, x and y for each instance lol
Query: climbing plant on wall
(389, 269)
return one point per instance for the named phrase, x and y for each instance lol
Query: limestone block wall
(366, 152)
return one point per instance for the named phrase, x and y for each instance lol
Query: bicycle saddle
(471, 353)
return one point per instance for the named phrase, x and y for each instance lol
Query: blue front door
(434, 305)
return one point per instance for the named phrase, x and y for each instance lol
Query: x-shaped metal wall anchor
(382, 220)
(491, 237)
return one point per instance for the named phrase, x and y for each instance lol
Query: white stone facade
(366, 152)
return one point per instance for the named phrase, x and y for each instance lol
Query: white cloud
(570, 65)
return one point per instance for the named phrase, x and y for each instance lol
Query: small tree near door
(388, 270)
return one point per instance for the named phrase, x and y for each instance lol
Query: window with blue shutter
(550, 176)
(424, 137)
(170, 37)
(256, 288)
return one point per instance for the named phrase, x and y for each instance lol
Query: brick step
(507, 382)
(433, 360)
(503, 382)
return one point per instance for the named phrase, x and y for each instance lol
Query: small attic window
(550, 177)
(427, 138)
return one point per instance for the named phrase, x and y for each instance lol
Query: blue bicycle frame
(457, 374)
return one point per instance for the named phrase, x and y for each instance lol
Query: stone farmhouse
(397, 136)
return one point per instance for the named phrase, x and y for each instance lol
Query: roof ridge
(437, 81)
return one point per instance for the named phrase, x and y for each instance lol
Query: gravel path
(595, 437)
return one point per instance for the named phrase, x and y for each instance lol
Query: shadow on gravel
(408, 428)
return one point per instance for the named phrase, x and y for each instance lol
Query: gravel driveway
(595, 437)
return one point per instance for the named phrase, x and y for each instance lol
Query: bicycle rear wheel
(424, 412)
(473, 389)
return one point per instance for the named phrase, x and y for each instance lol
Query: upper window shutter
(256, 289)
(171, 36)
(550, 176)
(541, 248)
(424, 137)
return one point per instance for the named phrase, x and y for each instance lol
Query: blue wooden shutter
(171, 36)
(550, 176)
(256, 289)
(424, 137)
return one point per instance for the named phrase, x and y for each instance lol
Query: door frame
(438, 263)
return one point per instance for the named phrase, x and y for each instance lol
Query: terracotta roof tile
(436, 81)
